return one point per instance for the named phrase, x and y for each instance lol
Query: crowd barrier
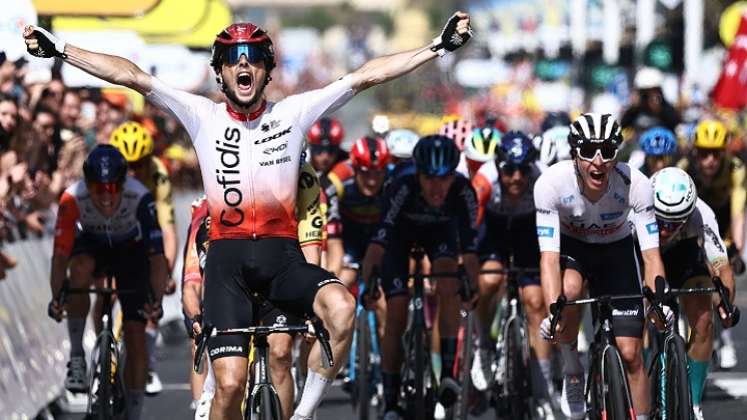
(33, 348)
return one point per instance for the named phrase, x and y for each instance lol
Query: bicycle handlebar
(315, 328)
(663, 295)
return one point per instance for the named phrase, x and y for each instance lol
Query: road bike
(365, 360)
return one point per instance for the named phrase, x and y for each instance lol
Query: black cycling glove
(49, 45)
(449, 39)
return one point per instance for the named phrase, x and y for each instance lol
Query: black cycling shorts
(683, 261)
(611, 269)
(438, 241)
(503, 238)
(273, 267)
(130, 265)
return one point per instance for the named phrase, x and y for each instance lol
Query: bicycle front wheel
(617, 401)
(517, 371)
(362, 369)
(678, 404)
(263, 405)
(103, 398)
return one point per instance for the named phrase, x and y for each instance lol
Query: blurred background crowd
(648, 62)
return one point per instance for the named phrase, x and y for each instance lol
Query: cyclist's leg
(618, 272)
(534, 306)
(395, 269)
(82, 267)
(449, 304)
(699, 312)
(306, 290)
(226, 306)
(281, 361)
(135, 365)
(489, 285)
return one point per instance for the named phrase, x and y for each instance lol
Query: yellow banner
(168, 17)
(94, 7)
(202, 36)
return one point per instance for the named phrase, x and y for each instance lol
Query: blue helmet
(516, 148)
(658, 141)
(554, 119)
(105, 165)
(436, 155)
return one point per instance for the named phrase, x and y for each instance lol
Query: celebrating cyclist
(108, 221)
(249, 151)
(310, 225)
(135, 143)
(582, 212)
(504, 192)
(720, 180)
(437, 209)
(691, 249)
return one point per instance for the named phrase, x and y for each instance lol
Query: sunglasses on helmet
(589, 152)
(253, 53)
(106, 187)
(510, 168)
(705, 153)
(317, 149)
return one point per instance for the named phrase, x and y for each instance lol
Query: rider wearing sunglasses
(582, 212)
(692, 249)
(109, 216)
(505, 190)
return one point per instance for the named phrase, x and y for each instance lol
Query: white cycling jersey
(250, 162)
(702, 224)
(487, 184)
(563, 209)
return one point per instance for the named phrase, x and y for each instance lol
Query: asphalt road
(726, 392)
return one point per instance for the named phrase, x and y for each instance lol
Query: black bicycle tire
(104, 397)
(595, 385)
(119, 382)
(618, 403)
(362, 375)
(678, 398)
(419, 373)
(516, 371)
(465, 365)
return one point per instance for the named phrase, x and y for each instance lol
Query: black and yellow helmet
(133, 140)
(710, 134)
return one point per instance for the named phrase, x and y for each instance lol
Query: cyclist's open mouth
(597, 177)
(244, 81)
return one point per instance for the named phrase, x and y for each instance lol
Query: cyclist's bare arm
(113, 69)
(383, 69)
(653, 266)
(191, 297)
(159, 275)
(312, 254)
(58, 272)
(550, 275)
(737, 231)
(170, 244)
(335, 255)
(374, 255)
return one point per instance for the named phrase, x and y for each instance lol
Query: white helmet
(674, 194)
(380, 124)
(648, 78)
(553, 145)
(401, 142)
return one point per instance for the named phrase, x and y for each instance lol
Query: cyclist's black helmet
(105, 164)
(436, 155)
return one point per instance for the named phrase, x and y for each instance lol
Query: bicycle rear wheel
(678, 404)
(363, 368)
(617, 401)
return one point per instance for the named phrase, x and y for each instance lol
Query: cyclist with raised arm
(249, 151)
(692, 249)
(310, 225)
(506, 207)
(108, 221)
(435, 208)
(582, 212)
(135, 143)
(720, 180)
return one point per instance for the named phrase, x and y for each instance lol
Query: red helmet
(243, 33)
(370, 153)
(326, 132)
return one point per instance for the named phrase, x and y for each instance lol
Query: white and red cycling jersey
(563, 209)
(250, 162)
